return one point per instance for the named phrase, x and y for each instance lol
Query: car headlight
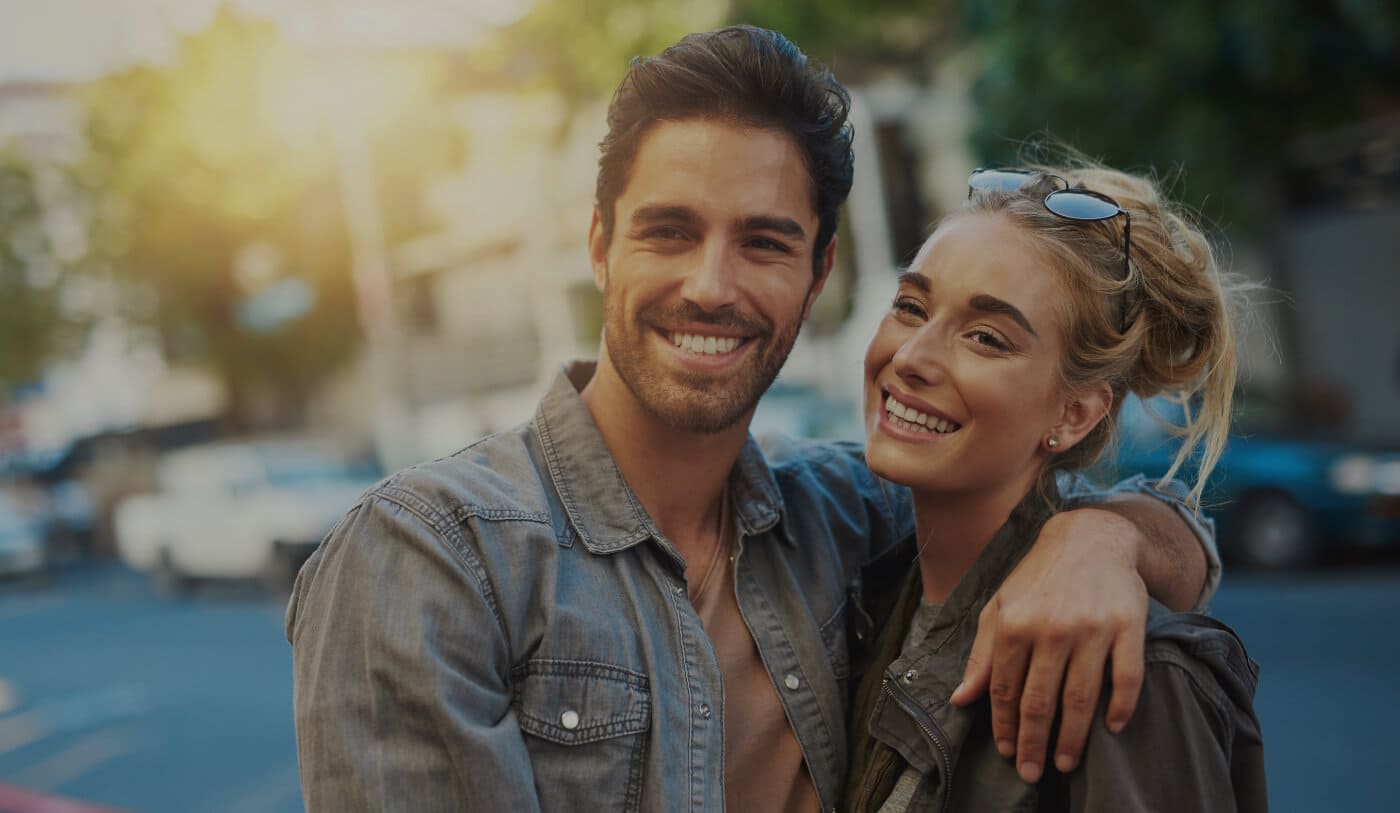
(1354, 474)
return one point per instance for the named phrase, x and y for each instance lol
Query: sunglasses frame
(1027, 175)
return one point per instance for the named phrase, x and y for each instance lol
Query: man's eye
(665, 233)
(768, 244)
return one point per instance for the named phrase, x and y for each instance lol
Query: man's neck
(678, 476)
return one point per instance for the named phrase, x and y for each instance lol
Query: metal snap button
(792, 682)
(569, 719)
(910, 675)
(705, 710)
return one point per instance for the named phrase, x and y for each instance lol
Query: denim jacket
(507, 629)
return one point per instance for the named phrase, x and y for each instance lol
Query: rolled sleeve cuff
(1079, 491)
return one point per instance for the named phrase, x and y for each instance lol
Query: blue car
(1279, 501)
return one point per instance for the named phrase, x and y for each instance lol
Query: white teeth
(705, 345)
(910, 418)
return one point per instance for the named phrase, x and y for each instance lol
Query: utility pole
(370, 268)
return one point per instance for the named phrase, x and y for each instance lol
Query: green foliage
(32, 327)
(1218, 90)
(580, 48)
(855, 38)
(230, 147)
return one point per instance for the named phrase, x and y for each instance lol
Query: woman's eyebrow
(915, 279)
(986, 303)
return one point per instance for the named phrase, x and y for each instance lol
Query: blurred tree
(857, 39)
(1220, 90)
(218, 196)
(32, 323)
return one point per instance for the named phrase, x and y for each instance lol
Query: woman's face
(961, 385)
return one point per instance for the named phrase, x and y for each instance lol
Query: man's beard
(691, 401)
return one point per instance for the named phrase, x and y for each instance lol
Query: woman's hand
(1073, 604)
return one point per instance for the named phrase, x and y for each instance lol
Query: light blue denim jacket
(507, 630)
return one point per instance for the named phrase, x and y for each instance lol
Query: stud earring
(1052, 441)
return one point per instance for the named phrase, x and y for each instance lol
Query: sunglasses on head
(1069, 202)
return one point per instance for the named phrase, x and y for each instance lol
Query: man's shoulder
(502, 476)
(797, 457)
(804, 465)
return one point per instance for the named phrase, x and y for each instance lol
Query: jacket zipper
(928, 727)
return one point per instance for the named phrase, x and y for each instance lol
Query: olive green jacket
(1193, 743)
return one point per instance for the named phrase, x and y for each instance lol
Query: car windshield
(12, 517)
(285, 472)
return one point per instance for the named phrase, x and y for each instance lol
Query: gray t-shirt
(903, 793)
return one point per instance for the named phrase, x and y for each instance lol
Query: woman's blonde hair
(1167, 327)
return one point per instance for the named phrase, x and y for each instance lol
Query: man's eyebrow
(915, 279)
(658, 212)
(782, 225)
(990, 304)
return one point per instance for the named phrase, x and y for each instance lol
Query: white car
(22, 549)
(236, 511)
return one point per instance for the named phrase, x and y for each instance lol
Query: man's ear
(598, 251)
(828, 260)
(1081, 413)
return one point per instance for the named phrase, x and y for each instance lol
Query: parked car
(1281, 500)
(237, 511)
(22, 548)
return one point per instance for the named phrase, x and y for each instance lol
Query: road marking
(9, 696)
(73, 762)
(74, 713)
(15, 799)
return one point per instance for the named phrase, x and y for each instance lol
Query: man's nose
(712, 282)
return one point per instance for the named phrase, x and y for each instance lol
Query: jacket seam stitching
(450, 534)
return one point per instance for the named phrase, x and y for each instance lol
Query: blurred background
(256, 253)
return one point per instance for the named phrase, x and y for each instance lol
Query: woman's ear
(1080, 414)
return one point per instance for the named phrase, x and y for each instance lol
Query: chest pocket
(586, 726)
(834, 638)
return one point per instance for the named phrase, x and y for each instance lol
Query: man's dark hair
(742, 74)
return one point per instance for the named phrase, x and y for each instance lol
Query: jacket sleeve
(401, 671)
(1182, 750)
(1079, 492)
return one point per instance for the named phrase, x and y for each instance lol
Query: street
(114, 695)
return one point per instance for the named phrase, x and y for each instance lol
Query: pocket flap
(575, 702)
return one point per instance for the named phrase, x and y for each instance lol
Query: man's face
(708, 274)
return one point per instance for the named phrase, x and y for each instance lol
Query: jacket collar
(603, 509)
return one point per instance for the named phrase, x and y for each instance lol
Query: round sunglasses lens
(999, 180)
(1077, 205)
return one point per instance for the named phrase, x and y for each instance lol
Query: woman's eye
(903, 304)
(988, 339)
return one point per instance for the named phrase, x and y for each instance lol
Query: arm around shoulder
(401, 670)
(1175, 546)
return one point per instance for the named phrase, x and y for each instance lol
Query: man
(623, 604)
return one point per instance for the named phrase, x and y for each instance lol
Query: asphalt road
(114, 695)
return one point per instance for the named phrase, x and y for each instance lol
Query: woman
(1023, 322)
